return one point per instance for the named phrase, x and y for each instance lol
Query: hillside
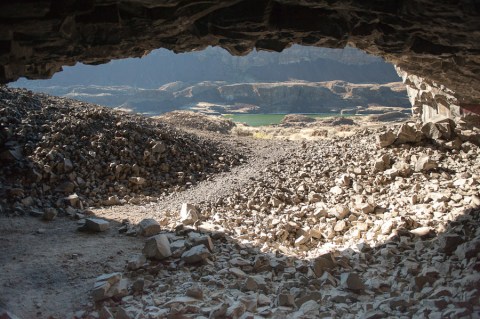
(223, 97)
(52, 148)
(300, 79)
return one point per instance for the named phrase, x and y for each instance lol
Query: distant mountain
(300, 79)
(215, 64)
(224, 97)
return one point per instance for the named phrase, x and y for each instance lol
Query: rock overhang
(437, 42)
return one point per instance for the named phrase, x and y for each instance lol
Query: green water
(269, 119)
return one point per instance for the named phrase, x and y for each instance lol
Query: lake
(271, 119)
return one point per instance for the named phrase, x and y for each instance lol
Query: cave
(434, 44)
(415, 205)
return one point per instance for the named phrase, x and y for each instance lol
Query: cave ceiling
(435, 40)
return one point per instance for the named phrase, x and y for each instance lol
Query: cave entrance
(305, 80)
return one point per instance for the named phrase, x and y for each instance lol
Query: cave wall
(431, 101)
(434, 42)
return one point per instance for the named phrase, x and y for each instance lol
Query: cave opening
(304, 80)
(380, 223)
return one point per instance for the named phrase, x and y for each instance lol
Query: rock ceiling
(438, 41)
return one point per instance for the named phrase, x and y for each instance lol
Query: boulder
(148, 227)
(188, 214)
(408, 134)
(196, 254)
(386, 139)
(157, 247)
(425, 163)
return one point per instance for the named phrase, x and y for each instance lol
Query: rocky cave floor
(324, 228)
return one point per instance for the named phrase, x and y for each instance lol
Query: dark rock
(448, 243)
(196, 254)
(95, 225)
(323, 263)
(469, 249)
(149, 227)
(351, 281)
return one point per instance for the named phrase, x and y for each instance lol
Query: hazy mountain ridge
(224, 97)
(215, 64)
(300, 79)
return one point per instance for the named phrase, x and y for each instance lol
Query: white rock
(336, 190)
(425, 163)
(340, 225)
(188, 214)
(340, 211)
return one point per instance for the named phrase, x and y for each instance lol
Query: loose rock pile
(63, 155)
(198, 121)
(296, 119)
(340, 228)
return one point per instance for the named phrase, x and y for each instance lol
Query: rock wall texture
(436, 40)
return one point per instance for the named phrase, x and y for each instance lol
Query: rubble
(157, 247)
(148, 227)
(109, 285)
(69, 153)
(336, 227)
(188, 214)
(95, 225)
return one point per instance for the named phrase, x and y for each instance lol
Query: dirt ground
(49, 268)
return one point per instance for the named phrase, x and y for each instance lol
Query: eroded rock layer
(437, 40)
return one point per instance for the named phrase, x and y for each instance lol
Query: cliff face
(280, 97)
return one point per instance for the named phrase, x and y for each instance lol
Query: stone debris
(49, 214)
(351, 281)
(95, 225)
(425, 163)
(188, 214)
(196, 254)
(136, 262)
(335, 228)
(148, 227)
(137, 159)
(108, 286)
(157, 247)
(386, 139)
